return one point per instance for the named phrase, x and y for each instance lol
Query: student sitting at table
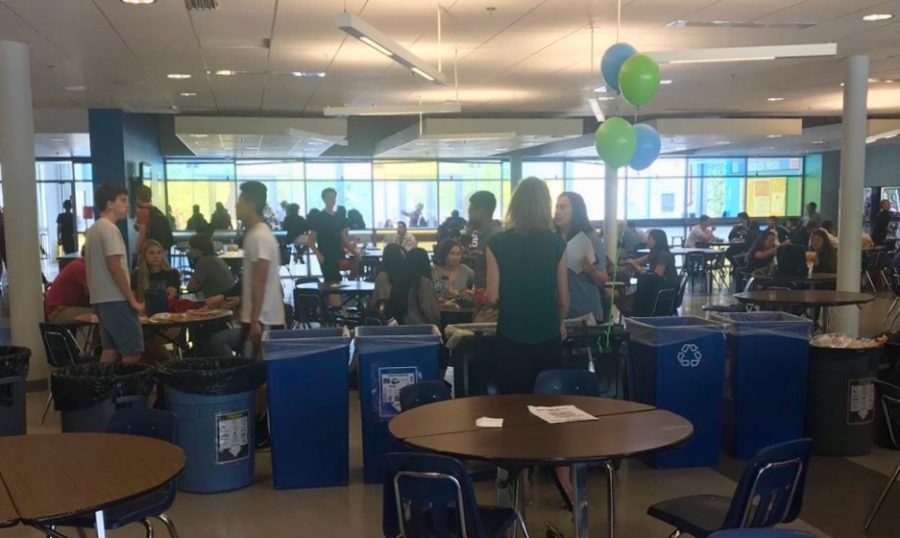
(403, 237)
(391, 264)
(211, 275)
(660, 275)
(826, 255)
(154, 275)
(68, 296)
(453, 277)
(762, 253)
(701, 233)
(413, 299)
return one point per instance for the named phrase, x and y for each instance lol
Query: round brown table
(352, 290)
(622, 429)
(818, 300)
(58, 475)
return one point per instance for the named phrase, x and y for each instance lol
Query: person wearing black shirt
(882, 221)
(656, 271)
(293, 224)
(329, 236)
(197, 221)
(220, 219)
(65, 229)
(762, 253)
(780, 231)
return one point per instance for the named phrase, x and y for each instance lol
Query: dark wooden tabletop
(804, 297)
(172, 319)
(622, 429)
(8, 514)
(55, 475)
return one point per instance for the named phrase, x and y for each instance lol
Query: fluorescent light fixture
(606, 98)
(379, 41)
(882, 136)
(873, 80)
(744, 54)
(665, 81)
(422, 74)
(178, 76)
(308, 74)
(595, 108)
(601, 89)
(200, 135)
(775, 99)
(773, 136)
(393, 110)
(875, 17)
(188, 94)
(817, 142)
(76, 88)
(722, 142)
(888, 81)
(225, 72)
(138, 2)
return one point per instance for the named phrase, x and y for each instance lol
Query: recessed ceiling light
(308, 74)
(188, 94)
(76, 88)
(200, 135)
(178, 76)
(775, 99)
(138, 2)
(665, 81)
(817, 142)
(875, 17)
(773, 136)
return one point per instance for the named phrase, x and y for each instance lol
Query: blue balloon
(613, 59)
(647, 149)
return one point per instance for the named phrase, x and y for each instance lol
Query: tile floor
(840, 491)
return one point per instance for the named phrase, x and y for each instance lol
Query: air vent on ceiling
(681, 23)
(198, 5)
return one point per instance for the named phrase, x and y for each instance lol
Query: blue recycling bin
(766, 362)
(306, 372)
(678, 364)
(389, 358)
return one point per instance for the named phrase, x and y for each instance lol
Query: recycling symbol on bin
(689, 356)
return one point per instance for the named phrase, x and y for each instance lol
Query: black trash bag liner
(14, 361)
(213, 376)
(85, 385)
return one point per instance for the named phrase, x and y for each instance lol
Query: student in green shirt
(527, 278)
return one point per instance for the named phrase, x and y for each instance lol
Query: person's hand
(255, 333)
(231, 303)
(214, 302)
(563, 331)
(136, 305)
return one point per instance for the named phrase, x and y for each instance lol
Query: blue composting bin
(766, 362)
(390, 358)
(306, 372)
(213, 400)
(678, 364)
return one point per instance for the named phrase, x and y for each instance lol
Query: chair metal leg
(579, 499)
(611, 496)
(522, 524)
(46, 408)
(675, 534)
(170, 525)
(883, 496)
(148, 527)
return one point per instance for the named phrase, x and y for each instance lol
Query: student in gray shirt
(211, 275)
(585, 294)
(106, 265)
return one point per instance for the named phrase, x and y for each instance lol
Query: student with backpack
(151, 222)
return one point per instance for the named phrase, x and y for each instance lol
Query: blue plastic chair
(769, 492)
(762, 533)
(421, 393)
(430, 496)
(147, 423)
(568, 382)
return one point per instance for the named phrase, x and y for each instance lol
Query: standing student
(329, 236)
(107, 274)
(197, 222)
(151, 223)
(585, 296)
(811, 214)
(882, 221)
(65, 229)
(482, 227)
(527, 278)
(262, 301)
(220, 219)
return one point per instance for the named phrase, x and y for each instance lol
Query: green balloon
(639, 79)
(615, 141)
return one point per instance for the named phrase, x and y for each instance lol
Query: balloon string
(619, 21)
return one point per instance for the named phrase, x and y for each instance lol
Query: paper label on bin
(861, 400)
(390, 382)
(232, 436)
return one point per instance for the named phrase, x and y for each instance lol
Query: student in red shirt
(68, 295)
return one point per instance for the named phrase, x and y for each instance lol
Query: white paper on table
(560, 413)
(577, 249)
(488, 422)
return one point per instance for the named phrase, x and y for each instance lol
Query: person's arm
(431, 310)
(562, 294)
(114, 266)
(349, 245)
(199, 276)
(492, 293)
(311, 242)
(172, 286)
(260, 272)
(660, 268)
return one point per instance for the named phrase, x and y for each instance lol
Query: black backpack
(160, 229)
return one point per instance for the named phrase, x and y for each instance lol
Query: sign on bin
(861, 396)
(689, 356)
(232, 438)
(391, 382)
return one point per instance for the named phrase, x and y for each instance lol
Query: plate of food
(162, 317)
(207, 313)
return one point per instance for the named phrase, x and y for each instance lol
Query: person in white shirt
(262, 301)
(404, 238)
(701, 233)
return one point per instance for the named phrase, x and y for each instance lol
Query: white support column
(20, 203)
(611, 219)
(853, 171)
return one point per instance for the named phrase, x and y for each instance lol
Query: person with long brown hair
(527, 278)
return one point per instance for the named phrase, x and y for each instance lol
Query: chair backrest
(679, 296)
(889, 399)
(60, 345)
(307, 306)
(662, 304)
(791, 260)
(421, 393)
(428, 496)
(144, 422)
(770, 490)
(568, 382)
(694, 262)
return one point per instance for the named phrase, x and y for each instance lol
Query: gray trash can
(840, 399)
(13, 373)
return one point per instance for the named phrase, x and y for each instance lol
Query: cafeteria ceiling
(526, 58)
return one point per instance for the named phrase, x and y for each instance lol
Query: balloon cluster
(636, 77)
